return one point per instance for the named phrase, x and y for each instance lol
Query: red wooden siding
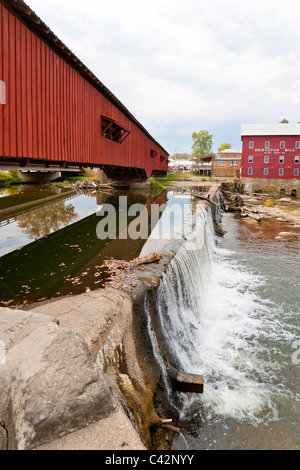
(258, 153)
(52, 112)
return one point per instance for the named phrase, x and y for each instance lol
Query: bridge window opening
(162, 159)
(112, 130)
(153, 153)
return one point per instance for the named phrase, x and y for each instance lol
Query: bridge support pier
(39, 177)
(132, 183)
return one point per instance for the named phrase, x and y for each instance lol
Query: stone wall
(275, 186)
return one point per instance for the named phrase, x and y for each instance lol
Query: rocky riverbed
(260, 208)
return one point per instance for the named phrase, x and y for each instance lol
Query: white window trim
(281, 158)
(250, 159)
(296, 172)
(266, 171)
(250, 171)
(282, 145)
(281, 171)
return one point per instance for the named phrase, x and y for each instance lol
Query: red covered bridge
(56, 115)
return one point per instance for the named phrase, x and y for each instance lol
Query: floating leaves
(122, 273)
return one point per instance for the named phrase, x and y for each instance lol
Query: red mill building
(271, 157)
(54, 112)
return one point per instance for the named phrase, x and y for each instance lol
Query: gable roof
(270, 129)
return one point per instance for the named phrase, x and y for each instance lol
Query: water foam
(217, 326)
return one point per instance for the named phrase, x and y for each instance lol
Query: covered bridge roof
(25, 14)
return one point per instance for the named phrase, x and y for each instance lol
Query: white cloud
(182, 66)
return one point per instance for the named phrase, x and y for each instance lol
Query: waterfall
(180, 296)
(211, 319)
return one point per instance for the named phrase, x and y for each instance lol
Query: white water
(217, 326)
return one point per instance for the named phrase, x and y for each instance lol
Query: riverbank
(261, 208)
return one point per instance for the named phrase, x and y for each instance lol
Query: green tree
(224, 146)
(203, 142)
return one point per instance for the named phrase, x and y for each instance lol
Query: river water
(49, 246)
(243, 335)
(229, 307)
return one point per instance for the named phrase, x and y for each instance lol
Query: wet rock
(283, 235)
(284, 199)
(256, 217)
(252, 201)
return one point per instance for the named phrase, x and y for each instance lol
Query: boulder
(283, 235)
(50, 383)
(284, 199)
(256, 217)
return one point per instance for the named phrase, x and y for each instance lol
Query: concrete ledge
(50, 383)
(39, 177)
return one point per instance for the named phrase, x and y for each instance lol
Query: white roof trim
(234, 151)
(270, 129)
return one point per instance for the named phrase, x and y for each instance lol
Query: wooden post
(186, 383)
(190, 383)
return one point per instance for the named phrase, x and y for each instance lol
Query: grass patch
(182, 176)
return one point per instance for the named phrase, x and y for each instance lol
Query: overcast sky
(181, 66)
